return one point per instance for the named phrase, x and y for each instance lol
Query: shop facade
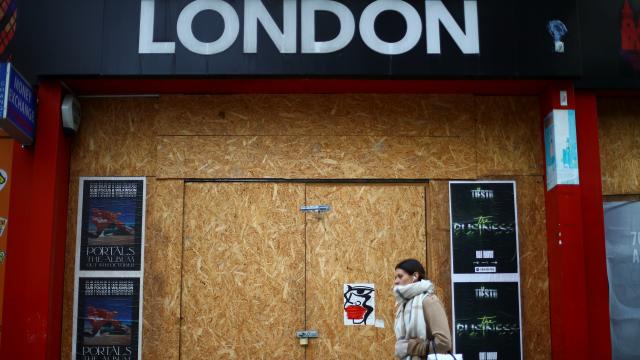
(233, 137)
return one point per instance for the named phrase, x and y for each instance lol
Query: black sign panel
(111, 227)
(398, 39)
(107, 319)
(611, 44)
(487, 320)
(483, 228)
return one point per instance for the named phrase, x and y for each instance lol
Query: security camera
(70, 114)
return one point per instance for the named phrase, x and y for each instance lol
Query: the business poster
(111, 213)
(484, 228)
(107, 319)
(359, 304)
(485, 275)
(487, 320)
(622, 240)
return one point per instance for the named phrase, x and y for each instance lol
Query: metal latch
(315, 208)
(307, 334)
(304, 336)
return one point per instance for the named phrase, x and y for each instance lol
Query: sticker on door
(359, 304)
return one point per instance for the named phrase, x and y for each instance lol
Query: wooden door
(243, 271)
(368, 230)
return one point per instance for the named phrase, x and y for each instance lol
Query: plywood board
(318, 114)
(163, 264)
(534, 272)
(619, 127)
(69, 270)
(116, 138)
(509, 135)
(367, 232)
(315, 157)
(439, 242)
(243, 271)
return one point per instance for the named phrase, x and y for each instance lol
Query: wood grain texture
(351, 136)
(619, 127)
(509, 135)
(69, 270)
(439, 241)
(534, 272)
(318, 114)
(315, 157)
(162, 272)
(243, 282)
(367, 232)
(116, 138)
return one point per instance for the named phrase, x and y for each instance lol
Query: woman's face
(403, 278)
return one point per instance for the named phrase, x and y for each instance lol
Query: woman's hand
(417, 347)
(402, 349)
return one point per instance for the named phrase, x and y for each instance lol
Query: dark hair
(412, 266)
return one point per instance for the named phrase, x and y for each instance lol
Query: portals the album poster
(107, 319)
(111, 233)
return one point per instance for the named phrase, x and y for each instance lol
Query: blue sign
(561, 148)
(17, 105)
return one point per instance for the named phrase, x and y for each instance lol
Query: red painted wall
(575, 237)
(36, 239)
(595, 259)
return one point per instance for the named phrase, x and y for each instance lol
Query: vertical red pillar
(566, 254)
(593, 226)
(36, 238)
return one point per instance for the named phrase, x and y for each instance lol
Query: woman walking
(421, 324)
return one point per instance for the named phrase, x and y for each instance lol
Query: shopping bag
(448, 356)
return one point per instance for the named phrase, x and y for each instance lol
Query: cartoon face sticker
(358, 303)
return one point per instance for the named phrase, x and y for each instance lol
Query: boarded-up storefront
(233, 268)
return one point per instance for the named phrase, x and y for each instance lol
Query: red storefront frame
(35, 265)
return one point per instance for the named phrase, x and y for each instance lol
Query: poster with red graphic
(359, 304)
(107, 313)
(111, 219)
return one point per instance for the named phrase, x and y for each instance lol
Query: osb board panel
(162, 272)
(438, 241)
(367, 232)
(243, 271)
(318, 114)
(69, 270)
(534, 275)
(316, 157)
(509, 135)
(619, 125)
(116, 138)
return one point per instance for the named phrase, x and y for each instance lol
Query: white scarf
(409, 323)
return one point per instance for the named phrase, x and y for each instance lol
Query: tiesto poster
(483, 227)
(487, 320)
(485, 276)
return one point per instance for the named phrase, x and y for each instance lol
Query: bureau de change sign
(17, 105)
